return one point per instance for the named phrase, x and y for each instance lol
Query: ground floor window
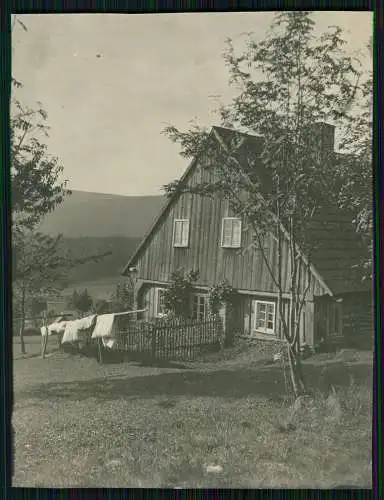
(160, 302)
(265, 316)
(200, 306)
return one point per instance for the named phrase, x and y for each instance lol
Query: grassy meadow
(221, 421)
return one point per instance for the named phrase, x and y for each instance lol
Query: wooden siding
(357, 326)
(246, 319)
(244, 269)
(358, 319)
(241, 320)
(147, 300)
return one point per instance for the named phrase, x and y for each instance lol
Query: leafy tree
(38, 305)
(38, 262)
(102, 306)
(81, 301)
(34, 263)
(36, 182)
(286, 83)
(221, 294)
(35, 174)
(124, 295)
(121, 300)
(36, 190)
(355, 167)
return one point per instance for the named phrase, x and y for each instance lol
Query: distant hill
(103, 215)
(109, 267)
(96, 223)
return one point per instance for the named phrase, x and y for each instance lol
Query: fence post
(100, 352)
(219, 326)
(153, 342)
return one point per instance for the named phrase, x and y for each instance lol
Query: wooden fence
(169, 338)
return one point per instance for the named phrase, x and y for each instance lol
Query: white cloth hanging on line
(105, 329)
(75, 330)
(57, 327)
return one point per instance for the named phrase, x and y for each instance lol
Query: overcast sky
(111, 82)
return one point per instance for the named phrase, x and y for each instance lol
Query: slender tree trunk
(294, 320)
(296, 371)
(22, 321)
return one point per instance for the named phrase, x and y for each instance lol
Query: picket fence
(169, 338)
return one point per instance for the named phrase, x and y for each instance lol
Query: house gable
(244, 268)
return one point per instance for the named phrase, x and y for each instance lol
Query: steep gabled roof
(163, 212)
(337, 255)
(227, 136)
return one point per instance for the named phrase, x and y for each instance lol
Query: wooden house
(201, 233)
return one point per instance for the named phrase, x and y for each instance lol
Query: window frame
(203, 296)
(222, 232)
(158, 291)
(264, 330)
(174, 243)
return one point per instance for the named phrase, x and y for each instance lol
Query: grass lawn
(79, 424)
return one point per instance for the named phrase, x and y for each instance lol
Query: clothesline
(101, 324)
(29, 318)
(73, 331)
(130, 312)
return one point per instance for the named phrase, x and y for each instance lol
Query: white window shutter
(181, 233)
(185, 233)
(177, 233)
(236, 233)
(231, 232)
(227, 233)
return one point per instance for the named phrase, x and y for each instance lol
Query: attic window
(181, 233)
(231, 232)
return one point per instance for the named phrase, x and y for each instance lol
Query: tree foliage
(39, 266)
(124, 295)
(221, 294)
(122, 299)
(287, 84)
(81, 301)
(36, 182)
(38, 261)
(177, 297)
(356, 169)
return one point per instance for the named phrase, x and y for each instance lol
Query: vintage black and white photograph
(192, 299)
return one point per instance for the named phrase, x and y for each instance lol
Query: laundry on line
(76, 330)
(105, 329)
(57, 327)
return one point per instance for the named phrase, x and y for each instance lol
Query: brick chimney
(325, 134)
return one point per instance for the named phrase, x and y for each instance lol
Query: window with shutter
(181, 233)
(231, 232)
